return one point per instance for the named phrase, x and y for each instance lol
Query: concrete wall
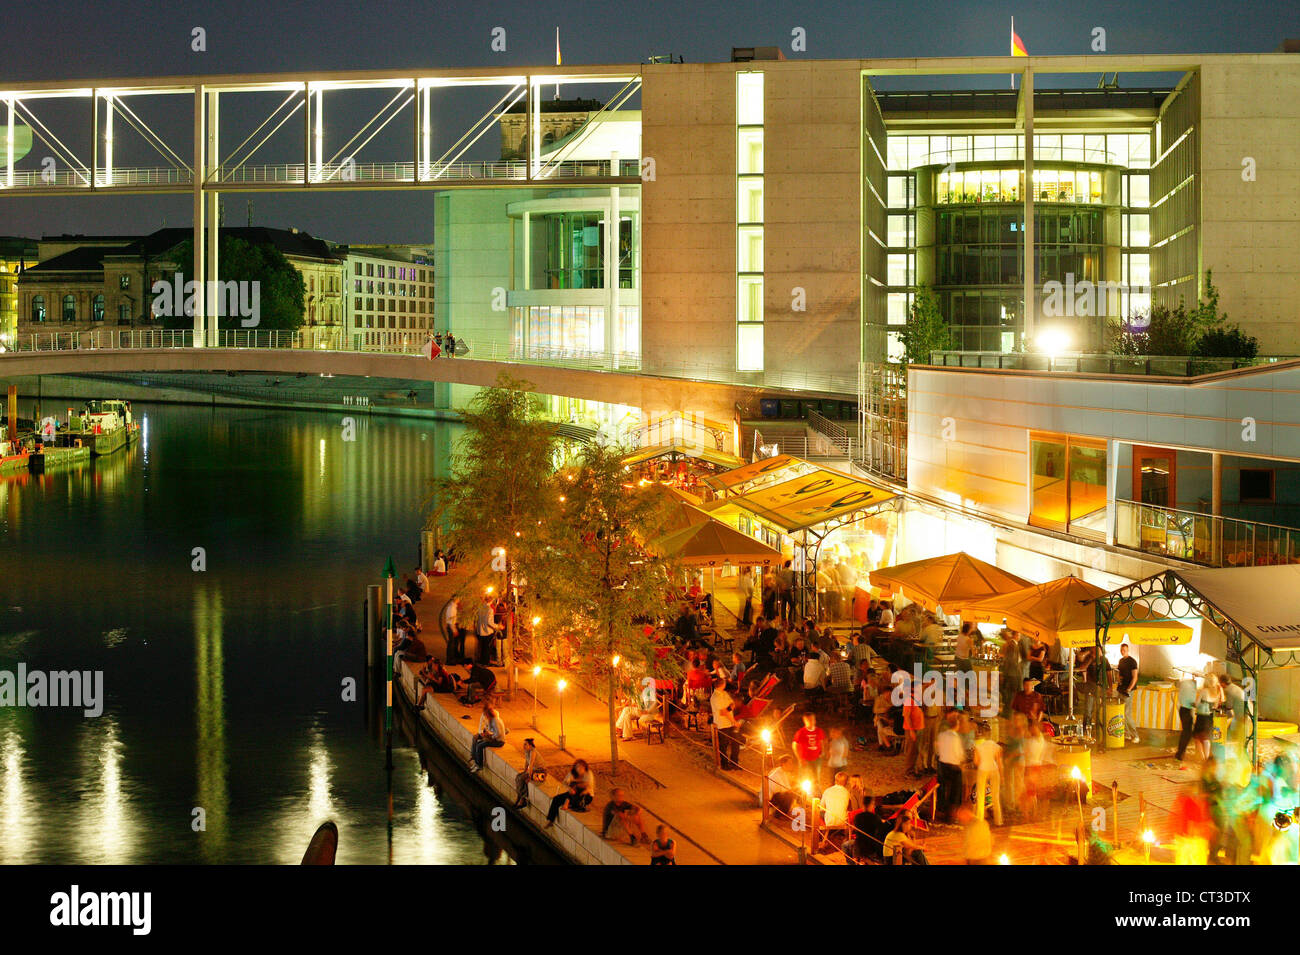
(1250, 231)
(812, 232)
(472, 256)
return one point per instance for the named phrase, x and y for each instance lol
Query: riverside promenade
(713, 819)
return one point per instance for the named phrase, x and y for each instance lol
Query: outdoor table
(1071, 751)
(1156, 707)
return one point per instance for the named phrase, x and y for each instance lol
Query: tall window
(749, 221)
(1068, 489)
(38, 309)
(69, 308)
(97, 308)
(124, 314)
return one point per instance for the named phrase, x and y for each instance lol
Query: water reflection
(222, 686)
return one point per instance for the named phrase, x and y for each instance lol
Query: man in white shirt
(724, 720)
(887, 617)
(422, 580)
(951, 754)
(835, 802)
(814, 670)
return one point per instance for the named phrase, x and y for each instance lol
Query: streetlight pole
(560, 687)
(537, 671)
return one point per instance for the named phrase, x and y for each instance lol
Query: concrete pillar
(1027, 95)
(200, 207)
(611, 261)
(1216, 506)
(213, 222)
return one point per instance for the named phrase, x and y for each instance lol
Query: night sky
(87, 39)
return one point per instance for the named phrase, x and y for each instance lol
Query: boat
(13, 454)
(323, 846)
(103, 426)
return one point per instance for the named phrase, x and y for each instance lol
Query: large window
(97, 308)
(1068, 484)
(69, 308)
(749, 221)
(38, 309)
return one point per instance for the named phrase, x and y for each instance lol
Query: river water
(225, 735)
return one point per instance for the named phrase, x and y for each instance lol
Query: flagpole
(1013, 52)
(557, 60)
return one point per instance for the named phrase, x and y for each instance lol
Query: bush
(1227, 343)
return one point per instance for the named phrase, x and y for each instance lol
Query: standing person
(1186, 713)
(1128, 678)
(809, 745)
(491, 735)
(486, 628)
(1235, 696)
(1010, 670)
(532, 767)
(988, 774)
(1208, 698)
(951, 755)
(451, 345)
(913, 727)
(785, 591)
(837, 751)
(724, 720)
(451, 627)
(962, 652)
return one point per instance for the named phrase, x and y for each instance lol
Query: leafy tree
(499, 494)
(1201, 332)
(281, 291)
(603, 586)
(926, 330)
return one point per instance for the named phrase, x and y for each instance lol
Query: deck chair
(927, 793)
(779, 743)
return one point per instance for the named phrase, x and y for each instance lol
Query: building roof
(84, 258)
(1006, 101)
(562, 106)
(90, 257)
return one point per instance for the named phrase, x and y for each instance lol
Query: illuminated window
(1068, 484)
(749, 221)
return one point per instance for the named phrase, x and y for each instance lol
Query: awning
(717, 458)
(811, 499)
(1263, 602)
(713, 542)
(1056, 612)
(763, 468)
(951, 581)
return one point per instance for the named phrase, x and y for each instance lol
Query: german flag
(1017, 44)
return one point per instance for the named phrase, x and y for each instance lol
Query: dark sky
(86, 39)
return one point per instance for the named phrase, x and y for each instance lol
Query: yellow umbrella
(951, 582)
(1055, 611)
(712, 542)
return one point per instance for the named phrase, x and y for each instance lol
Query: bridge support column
(212, 217)
(611, 264)
(200, 207)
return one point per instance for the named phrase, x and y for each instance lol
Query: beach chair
(927, 793)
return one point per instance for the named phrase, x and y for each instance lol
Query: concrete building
(788, 211)
(82, 283)
(389, 293)
(16, 254)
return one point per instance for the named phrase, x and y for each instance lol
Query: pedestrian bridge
(616, 379)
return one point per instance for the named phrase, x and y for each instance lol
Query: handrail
(1212, 540)
(334, 338)
(1175, 366)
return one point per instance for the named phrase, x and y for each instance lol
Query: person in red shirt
(809, 748)
(913, 724)
(699, 687)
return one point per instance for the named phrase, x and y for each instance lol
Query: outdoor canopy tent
(812, 499)
(675, 452)
(712, 542)
(952, 581)
(783, 466)
(1057, 611)
(1256, 608)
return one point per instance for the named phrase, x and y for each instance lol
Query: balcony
(1203, 538)
(1162, 366)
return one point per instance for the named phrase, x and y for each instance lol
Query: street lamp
(560, 686)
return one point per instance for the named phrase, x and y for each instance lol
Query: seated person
(485, 679)
(663, 851)
(780, 786)
(633, 716)
(436, 678)
(628, 815)
(869, 831)
(883, 712)
(579, 790)
(901, 846)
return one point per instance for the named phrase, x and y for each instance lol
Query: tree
(499, 494)
(1202, 332)
(604, 586)
(926, 330)
(281, 290)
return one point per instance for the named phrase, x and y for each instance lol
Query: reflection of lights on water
(105, 822)
(318, 787)
(17, 818)
(144, 437)
(322, 457)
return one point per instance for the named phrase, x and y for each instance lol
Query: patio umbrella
(951, 581)
(710, 543)
(1056, 611)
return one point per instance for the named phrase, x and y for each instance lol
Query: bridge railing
(396, 342)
